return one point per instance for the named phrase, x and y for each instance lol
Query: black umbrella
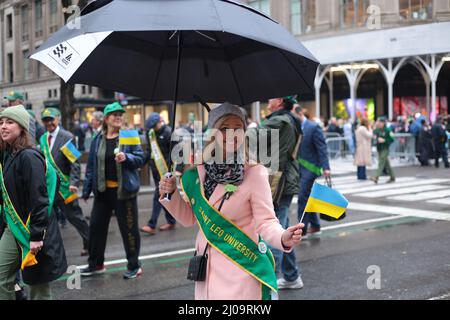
(162, 50)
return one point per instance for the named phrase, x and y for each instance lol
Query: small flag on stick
(70, 151)
(129, 137)
(326, 201)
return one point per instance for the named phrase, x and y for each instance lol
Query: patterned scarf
(217, 174)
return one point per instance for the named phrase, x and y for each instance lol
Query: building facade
(378, 57)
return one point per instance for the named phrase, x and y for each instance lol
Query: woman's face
(9, 130)
(115, 120)
(233, 127)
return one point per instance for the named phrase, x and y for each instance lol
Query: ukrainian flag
(129, 137)
(326, 201)
(70, 151)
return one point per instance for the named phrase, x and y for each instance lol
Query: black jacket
(24, 176)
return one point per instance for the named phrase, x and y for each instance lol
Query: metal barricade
(338, 147)
(403, 147)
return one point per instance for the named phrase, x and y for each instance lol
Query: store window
(416, 9)
(296, 17)
(261, 5)
(353, 13)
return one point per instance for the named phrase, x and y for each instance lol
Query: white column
(433, 88)
(390, 82)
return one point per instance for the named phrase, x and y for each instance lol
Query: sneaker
(90, 271)
(374, 179)
(131, 274)
(391, 180)
(283, 284)
(20, 293)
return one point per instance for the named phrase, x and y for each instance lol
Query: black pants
(74, 214)
(441, 151)
(126, 212)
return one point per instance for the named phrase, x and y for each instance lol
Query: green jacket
(387, 135)
(289, 130)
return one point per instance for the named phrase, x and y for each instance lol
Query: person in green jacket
(289, 130)
(384, 138)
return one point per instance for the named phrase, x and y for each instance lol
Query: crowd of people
(248, 205)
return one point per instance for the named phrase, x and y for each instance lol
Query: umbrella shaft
(175, 95)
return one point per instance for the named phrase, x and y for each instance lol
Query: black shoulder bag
(198, 264)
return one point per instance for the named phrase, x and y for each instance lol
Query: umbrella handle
(168, 196)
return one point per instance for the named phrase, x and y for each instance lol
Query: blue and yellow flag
(326, 201)
(129, 137)
(70, 151)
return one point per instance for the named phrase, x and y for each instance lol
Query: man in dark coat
(69, 173)
(162, 134)
(439, 140)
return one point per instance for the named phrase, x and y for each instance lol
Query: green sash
(19, 228)
(310, 167)
(64, 180)
(157, 155)
(222, 234)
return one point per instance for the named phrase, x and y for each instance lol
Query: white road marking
(424, 196)
(413, 190)
(360, 184)
(442, 297)
(392, 186)
(440, 201)
(407, 212)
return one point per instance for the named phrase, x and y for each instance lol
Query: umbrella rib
(295, 68)
(163, 53)
(232, 71)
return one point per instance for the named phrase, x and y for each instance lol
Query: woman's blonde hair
(210, 145)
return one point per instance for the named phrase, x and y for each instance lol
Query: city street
(391, 228)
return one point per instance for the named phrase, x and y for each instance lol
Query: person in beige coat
(363, 155)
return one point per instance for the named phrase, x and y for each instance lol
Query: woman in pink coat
(249, 208)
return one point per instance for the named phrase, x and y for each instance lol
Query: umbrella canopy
(230, 52)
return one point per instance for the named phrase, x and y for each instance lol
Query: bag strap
(225, 197)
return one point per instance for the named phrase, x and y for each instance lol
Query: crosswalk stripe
(360, 184)
(423, 196)
(440, 201)
(407, 212)
(403, 191)
(392, 186)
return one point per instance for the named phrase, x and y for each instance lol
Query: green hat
(18, 114)
(292, 99)
(15, 95)
(50, 113)
(113, 107)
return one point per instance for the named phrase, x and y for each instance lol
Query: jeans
(157, 205)
(9, 265)
(285, 262)
(307, 180)
(126, 212)
(361, 173)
